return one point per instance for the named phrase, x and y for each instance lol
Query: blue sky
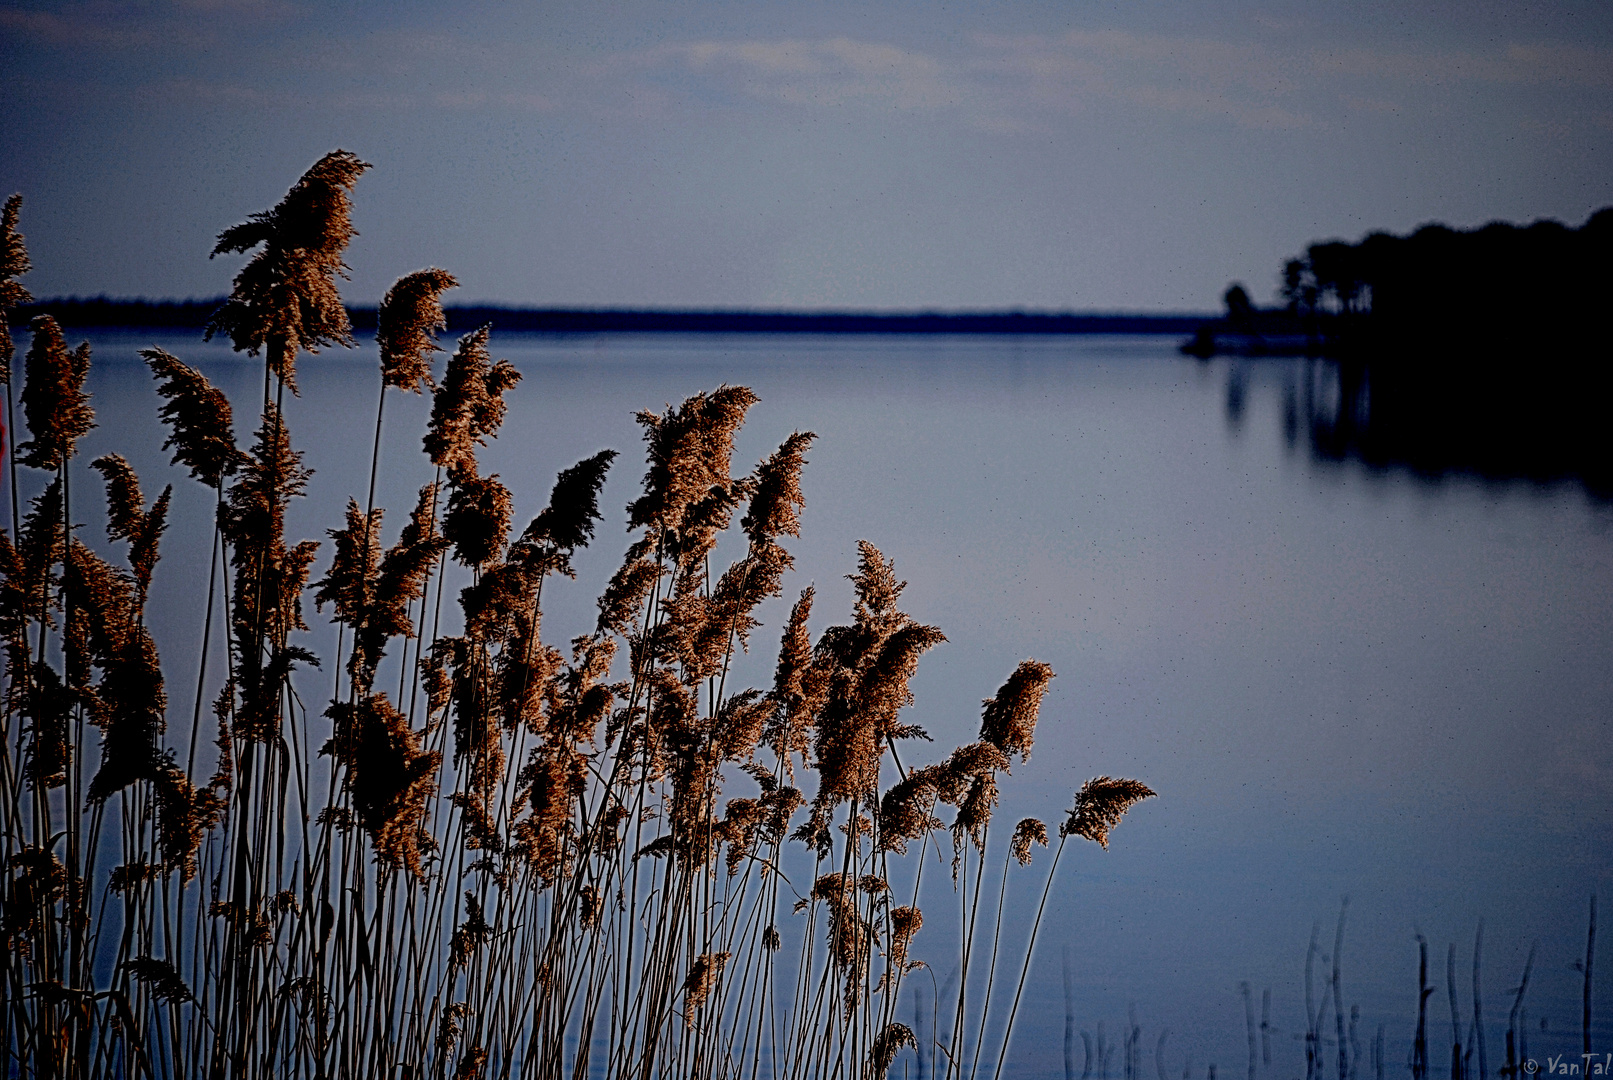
(1046, 155)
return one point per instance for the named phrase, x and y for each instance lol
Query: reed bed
(1358, 1049)
(482, 853)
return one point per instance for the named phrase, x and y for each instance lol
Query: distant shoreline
(193, 315)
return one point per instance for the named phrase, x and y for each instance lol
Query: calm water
(1342, 682)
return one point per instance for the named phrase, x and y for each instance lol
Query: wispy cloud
(260, 9)
(1205, 77)
(1032, 81)
(110, 27)
(77, 27)
(991, 82)
(1266, 80)
(1541, 63)
(824, 73)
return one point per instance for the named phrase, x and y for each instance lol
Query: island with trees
(1482, 351)
(1494, 289)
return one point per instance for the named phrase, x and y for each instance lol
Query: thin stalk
(1030, 951)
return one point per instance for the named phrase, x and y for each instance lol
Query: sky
(908, 154)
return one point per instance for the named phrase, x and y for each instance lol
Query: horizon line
(76, 299)
(197, 314)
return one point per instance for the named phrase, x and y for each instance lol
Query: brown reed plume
(798, 688)
(1008, 720)
(41, 546)
(1099, 806)
(468, 406)
(906, 922)
(269, 576)
(1027, 832)
(30, 591)
(13, 264)
(376, 606)
(776, 503)
(567, 523)
(887, 1045)
(530, 854)
(867, 665)
(477, 521)
(53, 399)
(127, 518)
(128, 702)
(285, 299)
(406, 327)
(348, 586)
(199, 419)
(702, 980)
(389, 777)
(22, 577)
(688, 491)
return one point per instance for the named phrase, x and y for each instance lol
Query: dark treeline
(1483, 351)
(105, 311)
(194, 314)
(1481, 293)
(1494, 289)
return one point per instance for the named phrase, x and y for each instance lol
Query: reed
(526, 855)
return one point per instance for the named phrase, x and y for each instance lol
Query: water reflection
(1237, 391)
(1540, 421)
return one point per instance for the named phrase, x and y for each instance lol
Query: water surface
(1342, 681)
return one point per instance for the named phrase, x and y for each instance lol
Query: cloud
(222, 93)
(1035, 82)
(78, 27)
(258, 9)
(1193, 76)
(991, 82)
(1014, 84)
(1540, 63)
(829, 72)
(129, 28)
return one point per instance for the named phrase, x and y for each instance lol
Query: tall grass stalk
(529, 858)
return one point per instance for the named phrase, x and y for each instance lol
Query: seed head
(775, 504)
(1099, 806)
(468, 406)
(391, 779)
(407, 324)
(688, 490)
(703, 976)
(1008, 721)
(905, 922)
(567, 523)
(160, 979)
(1028, 832)
(478, 519)
(199, 417)
(285, 297)
(53, 399)
(13, 264)
(887, 1044)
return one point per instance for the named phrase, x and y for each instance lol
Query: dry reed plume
(285, 299)
(485, 851)
(13, 264)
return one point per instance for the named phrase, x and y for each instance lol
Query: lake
(1342, 680)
